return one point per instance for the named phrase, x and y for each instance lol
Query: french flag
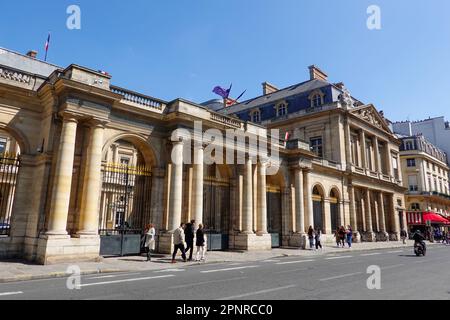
(47, 45)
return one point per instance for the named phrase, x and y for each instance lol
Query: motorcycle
(419, 249)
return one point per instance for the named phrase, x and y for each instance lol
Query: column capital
(69, 117)
(96, 123)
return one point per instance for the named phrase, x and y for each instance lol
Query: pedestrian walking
(336, 235)
(318, 239)
(349, 234)
(189, 233)
(311, 236)
(200, 243)
(342, 236)
(149, 240)
(179, 242)
(403, 235)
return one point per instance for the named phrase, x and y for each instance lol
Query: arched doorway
(334, 209)
(318, 209)
(126, 188)
(216, 206)
(9, 171)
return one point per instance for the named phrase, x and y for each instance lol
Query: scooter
(419, 249)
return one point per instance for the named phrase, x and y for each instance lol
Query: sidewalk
(11, 271)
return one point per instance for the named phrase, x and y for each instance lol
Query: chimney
(32, 54)
(268, 88)
(340, 85)
(316, 74)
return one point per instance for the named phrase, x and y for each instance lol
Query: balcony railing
(225, 120)
(138, 98)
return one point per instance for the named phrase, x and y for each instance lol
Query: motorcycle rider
(419, 238)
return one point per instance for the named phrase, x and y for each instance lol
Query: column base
(394, 236)
(298, 240)
(165, 243)
(383, 236)
(53, 249)
(251, 241)
(356, 237)
(369, 236)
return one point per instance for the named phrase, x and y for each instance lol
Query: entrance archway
(274, 184)
(126, 187)
(318, 209)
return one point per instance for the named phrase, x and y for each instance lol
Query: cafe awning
(435, 218)
(421, 218)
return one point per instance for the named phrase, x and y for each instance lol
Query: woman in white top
(149, 240)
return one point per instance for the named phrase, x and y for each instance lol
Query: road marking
(391, 267)
(205, 282)
(113, 276)
(125, 280)
(236, 264)
(398, 251)
(170, 270)
(293, 270)
(341, 276)
(228, 269)
(370, 254)
(256, 293)
(271, 261)
(10, 293)
(298, 261)
(341, 257)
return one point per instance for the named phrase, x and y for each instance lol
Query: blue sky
(175, 48)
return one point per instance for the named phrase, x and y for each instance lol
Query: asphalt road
(330, 276)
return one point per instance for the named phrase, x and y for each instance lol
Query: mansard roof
(276, 96)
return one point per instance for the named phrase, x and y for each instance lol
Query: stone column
(247, 206)
(388, 160)
(62, 182)
(262, 199)
(395, 220)
(308, 201)
(327, 213)
(299, 202)
(382, 218)
(362, 139)
(92, 182)
(198, 184)
(370, 236)
(176, 186)
(348, 143)
(353, 219)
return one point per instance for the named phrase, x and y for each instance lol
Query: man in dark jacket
(419, 238)
(189, 233)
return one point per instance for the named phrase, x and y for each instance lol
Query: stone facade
(77, 133)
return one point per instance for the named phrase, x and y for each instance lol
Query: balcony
(296, 144)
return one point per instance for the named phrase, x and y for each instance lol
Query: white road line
(341, 257)
(391, 267)
(125, 280)
(228, 269)
(235, 264)
(341, 276)
(398, 251)
(292, 270)
(10, 293)
(113, 276)
(170, 270)
(256, 293)
(370, 254)
(204, 282)
(298, 261)
(271, 261)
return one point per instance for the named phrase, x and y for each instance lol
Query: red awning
(435, 218)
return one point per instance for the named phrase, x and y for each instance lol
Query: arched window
(281, 109)
(316, 101)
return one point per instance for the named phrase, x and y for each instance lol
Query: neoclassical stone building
(94, 159)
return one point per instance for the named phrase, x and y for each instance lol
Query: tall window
(354, 150)
(395, 166)
(2, 145)
(369, 154)
(435, 184)
(316, 146)
(281, 109)
(412, 183)
(430, 185)
(411, 162)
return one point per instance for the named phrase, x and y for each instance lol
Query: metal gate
(9, 168)
(125, 208)
(216, 212)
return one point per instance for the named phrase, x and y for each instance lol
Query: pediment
(369, 114)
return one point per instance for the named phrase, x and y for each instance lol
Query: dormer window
(281, 109)
(255, 116)
(317, 98)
